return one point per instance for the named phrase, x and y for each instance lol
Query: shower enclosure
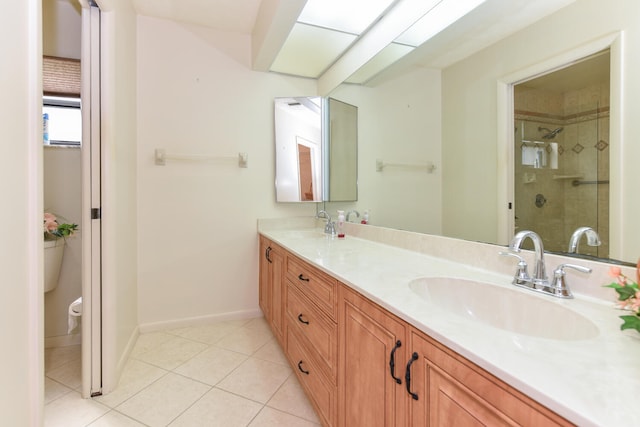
(562, 155)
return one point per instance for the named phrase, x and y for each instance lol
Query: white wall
(21, 293)
(62, 196)
(61, 28)
(398, 122)
(469, 116)
(198, 245)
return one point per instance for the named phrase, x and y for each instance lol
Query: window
(65, 120)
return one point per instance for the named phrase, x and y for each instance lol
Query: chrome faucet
(330, 227)
(592, 238)
(540, 270)
(540, 282)
(352, 212)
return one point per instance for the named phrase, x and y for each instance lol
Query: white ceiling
(490, 22)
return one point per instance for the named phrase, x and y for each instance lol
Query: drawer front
(315, 330)
(319, 287)
(321, 393)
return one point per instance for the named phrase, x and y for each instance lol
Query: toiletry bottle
(340, 224)
(45, 128)
(365, 218)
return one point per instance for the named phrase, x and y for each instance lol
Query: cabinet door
(277, 290)
(271, 286)
(264, 294)
(368, 394)
(454, 392)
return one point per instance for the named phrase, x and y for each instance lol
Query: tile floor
(224, 374)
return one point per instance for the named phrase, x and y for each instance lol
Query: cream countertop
(585, 381)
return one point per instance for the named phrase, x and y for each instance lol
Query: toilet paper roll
(75, 311)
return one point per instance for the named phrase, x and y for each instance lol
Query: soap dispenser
(365, 218)
(340, 224)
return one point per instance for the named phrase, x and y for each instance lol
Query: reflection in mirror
(561, 162)
(342, 155)
(298, 139)
(316, 150)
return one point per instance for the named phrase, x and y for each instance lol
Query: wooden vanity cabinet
(272, 286)
(312, 334)
(431, 386)
(453, 391)
(371, 366)
(353, 358)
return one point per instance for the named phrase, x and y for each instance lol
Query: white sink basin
(504, 308)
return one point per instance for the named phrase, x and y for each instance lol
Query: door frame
(506, 137)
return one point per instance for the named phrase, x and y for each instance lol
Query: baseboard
(198, 321)
(63, 340)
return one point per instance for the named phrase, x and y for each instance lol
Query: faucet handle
(559, 285)
(522, 275)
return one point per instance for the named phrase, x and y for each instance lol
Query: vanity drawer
(315, 330)
(320, 391)
(319, 287)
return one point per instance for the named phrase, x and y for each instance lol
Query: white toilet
(75, 311)
(53, 252)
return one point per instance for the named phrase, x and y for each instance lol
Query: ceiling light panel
(437, 19)
(351, 16)
(309, 50)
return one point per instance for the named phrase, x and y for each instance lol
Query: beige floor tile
(270, 417)
(173, 353)
(136, 376)
(149, 341)
(68, 374)
(272, 352)
(115, 419)
(290, 398)
(218, 408)
(72, 410)
(258, 324)
(209, 334)
(212, 365)
(53, 390)
(245, 340)
(54, 357)
(164, 400)
(256, 379)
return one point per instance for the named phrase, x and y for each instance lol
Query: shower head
(550, 133)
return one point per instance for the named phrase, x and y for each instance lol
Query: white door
(91, 204)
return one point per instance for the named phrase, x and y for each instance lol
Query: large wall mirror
(316, 142)
(561, 161)
(562, 101)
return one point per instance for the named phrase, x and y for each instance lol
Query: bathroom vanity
(371, 347)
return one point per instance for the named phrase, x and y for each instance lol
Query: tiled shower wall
(583, 155)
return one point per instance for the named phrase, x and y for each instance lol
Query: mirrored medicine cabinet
(316, 142)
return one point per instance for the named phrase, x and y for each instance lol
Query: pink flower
(615, 271)
(50, 226)
(50, 222)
